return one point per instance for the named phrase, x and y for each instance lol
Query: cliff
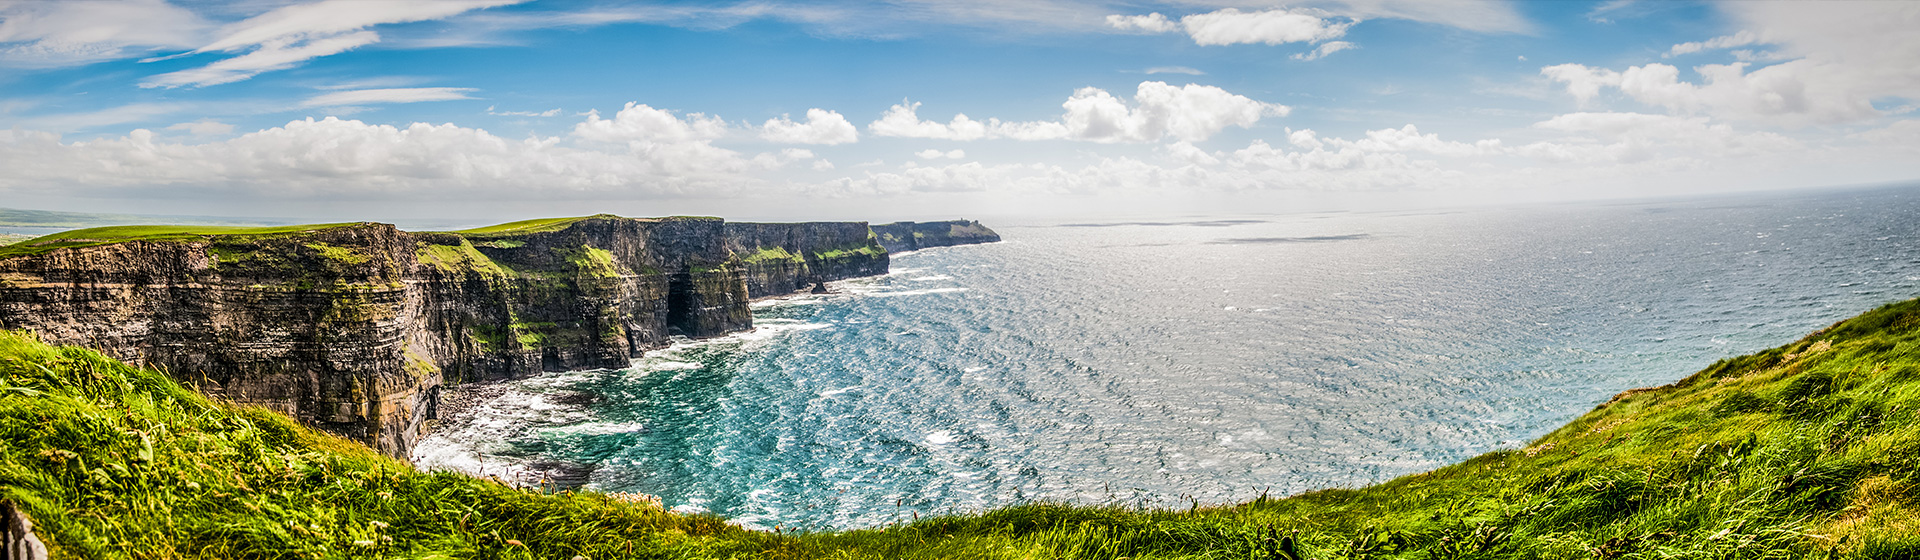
(900, 237)
(353, 327)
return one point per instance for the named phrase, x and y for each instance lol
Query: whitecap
(918, 292)
(839, 391)
(941, 437)
(599, 428)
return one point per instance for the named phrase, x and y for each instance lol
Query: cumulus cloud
(1231, 26)
(1188, 113)
(203, 127)
(1150, 23)
(937, 154)
(1272, 27)
(1840, 57)
(386, 95)
(903, 121)
(641, 123)
(1586, 148)
(822, 127)
(346, 158)
(287, 36)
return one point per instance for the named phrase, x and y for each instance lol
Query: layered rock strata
(900, 237)
(353, 328)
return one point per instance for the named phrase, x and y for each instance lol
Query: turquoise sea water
(1203, 359)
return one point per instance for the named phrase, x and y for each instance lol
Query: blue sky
(497, 109)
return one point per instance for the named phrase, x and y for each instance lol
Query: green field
(121, 234)
(530, 226)
(1810, 450)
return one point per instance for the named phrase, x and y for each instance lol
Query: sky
(486, 110)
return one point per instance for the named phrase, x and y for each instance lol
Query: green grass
(459, 258)
(869, 251)
(537, 225)
(592, 261)
(772, 254)
(1811, 450)
(121, 234)
(112, 461)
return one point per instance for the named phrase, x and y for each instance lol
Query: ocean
(1198, 359)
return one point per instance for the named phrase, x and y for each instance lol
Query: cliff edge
(353, 327)
(900, 237)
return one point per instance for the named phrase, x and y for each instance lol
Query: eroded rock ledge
(353, 328)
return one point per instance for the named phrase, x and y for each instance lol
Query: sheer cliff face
(783, 258)
(899, 237)
(353, 329)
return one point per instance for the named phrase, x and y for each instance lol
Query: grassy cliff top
(542, 225)
(122, 234)
(1807, 450)
(537, 225)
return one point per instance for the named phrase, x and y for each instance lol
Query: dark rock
(17, 541)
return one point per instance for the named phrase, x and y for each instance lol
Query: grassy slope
(1807, 450)
(121, 234)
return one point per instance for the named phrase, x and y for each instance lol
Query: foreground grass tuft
(1805, 451)
(113, 461)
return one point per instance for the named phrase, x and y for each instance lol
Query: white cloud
(329, 17)
(1485, 16)
(1272, 27)
(641, 123)
(1636, 137)
(902, 121)
(333, 158)
(1901, 135)
(387, 95)
(1189, 113)
(289, 35)
(1582, 82)
(822, 127)
(1150, 23)
(40, 34)
(203, 127)
(1175, 70)
(122, 114)
(1840, 58)
(822, 165)
(1323, 50)
(277, 55)
(1741, 39)
(1231, 26)
(554, 112)
(937, 154)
